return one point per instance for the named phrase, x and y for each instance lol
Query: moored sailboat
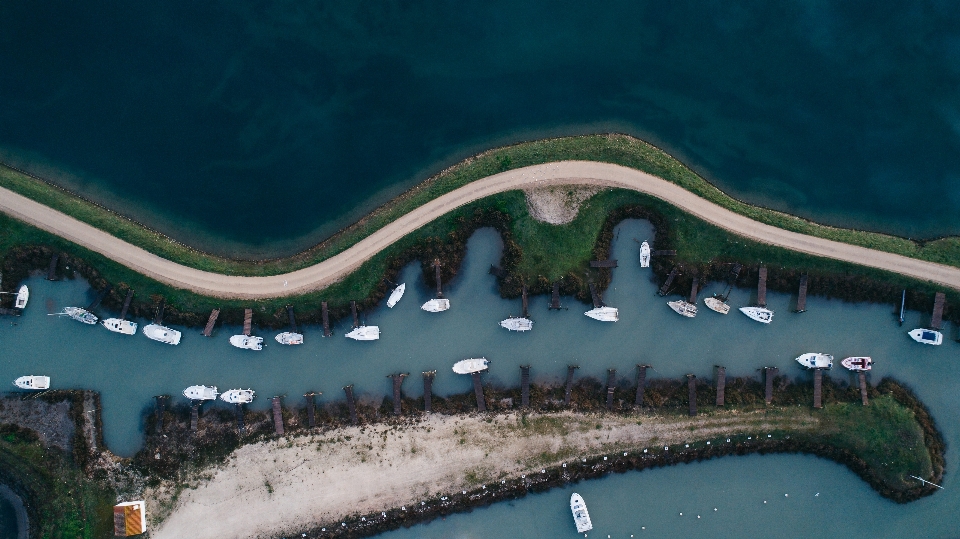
(163, 334)
(717, 305)
(816, 360)
(759, 314)
(857, 363)
(364, 333)
(436, 305)
(517, 323)
(289, 337)
(683, 308)
(580, 515)
(396, 295)
(118, 325)
(33, 382)
(80, 315)
(246, 342)
(201, 393)
(604, 314)
(238, 396)
(472, 365)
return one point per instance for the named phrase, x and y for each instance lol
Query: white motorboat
(470, 366)
(580, 515)
(760, 314)
(78, 314)
(396, 295)
(816, 360)
(683, 308)
(604, 314)
(289, 337)
(246, 342)
(365, 333)
(119, 325)
(201, 393)
(33, 382)
(238, 396)
(162, 334)
(436, 305)
(927, 336)
(857, 363)
(22, 296)
(717, 305)
(644, 255)
(517, 324)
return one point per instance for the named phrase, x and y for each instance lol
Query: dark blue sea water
(259, 127)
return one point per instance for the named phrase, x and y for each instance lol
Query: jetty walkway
(558, 173)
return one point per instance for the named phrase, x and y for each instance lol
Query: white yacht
(238, 396)
(396, 295)
(517, 324)
(22, 296)
(78, 314)
(857, 364)
(927, 336)
(816, 360)
(33, 382)
(760, 314)
(470, 366)
(644, 255)
(118, 325)
(683, 308)
(201, 393)
(436, 305)
(247, 343)
(717, 304)
(365, 333)
(162, 334)
(289, 337)
(580, 515)
(604, 314)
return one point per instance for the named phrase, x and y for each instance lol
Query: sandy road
(559, 173)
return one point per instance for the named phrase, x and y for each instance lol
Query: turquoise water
(201, 119)
(130, 370)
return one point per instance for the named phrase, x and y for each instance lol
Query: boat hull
(683, 308)
(118, 325)
(247, 343)
(365, 333)
(289, 338)
(816, 360)
(857, 364)
(81, 315)
(927, 336)
(201, 393)
(436, 305)
(517, 324)
(604, 314)
(716, 305)
(758, 314)
(238, 396)
(33, 383)
(644, 255)
(472, 365)
(156, 332)
(396, 295)
(581, 518)
(22, 296)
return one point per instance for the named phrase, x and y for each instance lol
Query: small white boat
(857, 363)
(436, 305)
(238, 396)
(33, 382)
(162, 334)
(683, 308)
(22, 296)
(289, 337)
(78, 314)
(927, 336)
(717, 305)
(396, 295)
(469, 366)
(816, 360)
(644, 255)
(201, 393)
(517, 324)
(760, 314)
(247, 343)
(580, 515)
(604, 314)
(365, 333)
(119, 325)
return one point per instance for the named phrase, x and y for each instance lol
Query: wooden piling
(525, 386)
(436, 267)
(100, 295)
(937, 319)
(158, 319)
(762, 288)
(612, 263)
(161, 406)
(208, 329)
(353, 311)
(568, 391)
(641, 382)
(247, 322)
(239, 413)
(397, 397)
(194, 416)
(428, 390)
(666, 284)
(52, 268)
(693, 290)
(611, 387)
(293, 319)
(768, 374)
(817, 388)
(126, 304)
(802, 295)
(277, 416)
(478, 390)
(555, 297)
(664, 252)
(325, 316)
(721, 384)
(692, 394)
(351, 404)
(597, 300)
(311, 409)
(526, 303)
(862, 378)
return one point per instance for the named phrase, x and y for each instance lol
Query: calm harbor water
(200, 119)
(130, 370)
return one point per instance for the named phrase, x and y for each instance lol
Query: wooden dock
(161, 405)
(351, 404)
(802, 295)
(862, 379)
(817, 388)
(597, 300)
(239, 412)
(669, 282)
(311, 409)
(497, 272)
(428, 390)
(208, 329)
(52, 268)
(611, 387)
(126, 304)
(664, 252)
(353, 311)
(158, 318)
(641, 383)
(525, 302)
(99, 299)
(277, 416)
(612, 263)
(194, 416)
(692, 394)
(694, 290)
(478, 390)
(292, 318)
(397, 396)
(555, 298)
(525, 386)
(247, 322)
(762, 288)
(325, 317)
(769, 373)
(568, 390)
(721, 384)
(937, 319)
(436, 267)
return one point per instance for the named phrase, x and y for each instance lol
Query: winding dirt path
(559, 173)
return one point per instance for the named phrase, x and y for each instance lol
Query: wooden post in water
(158, 319)
(277, 416)
(208, 329)
(428, 390)
(356, 318)
(762, 288)
(721, 384)
(194, 416)
(247, 322)
(802, 295)
(768, 374)
(817, 388)
(52, 268)
(693, 290)
(293, 319)
(862, 378)
(161, 406)
(597, 300)
(569, 385)
(692, 394)
(436, 266)
(666, 284)
(611, 387)
(523, 295)
(641, 382)
(555, 297)
(937, 319)
(239, 410)
(525, 386)
(325, 316)
(478, 389)
(311, 409)
(397, 397)
(351, 405)
(126, 304)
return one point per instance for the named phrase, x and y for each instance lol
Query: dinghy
(22, 296)
(580, 515)
(857, 363)
(289, 337)
(644, 255)
(238, 396)
(365, 333)
(604, 314)
(760, 314)
(517, 324)
(80, 315)
(717, 305)
(118, 325)
(683, 308)
(201, 393)
(162, 334)
(469, 366)
(816, 360)
(927, 336)
(33, 382)
(436, 305)
(247, 343)
(396, 295)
